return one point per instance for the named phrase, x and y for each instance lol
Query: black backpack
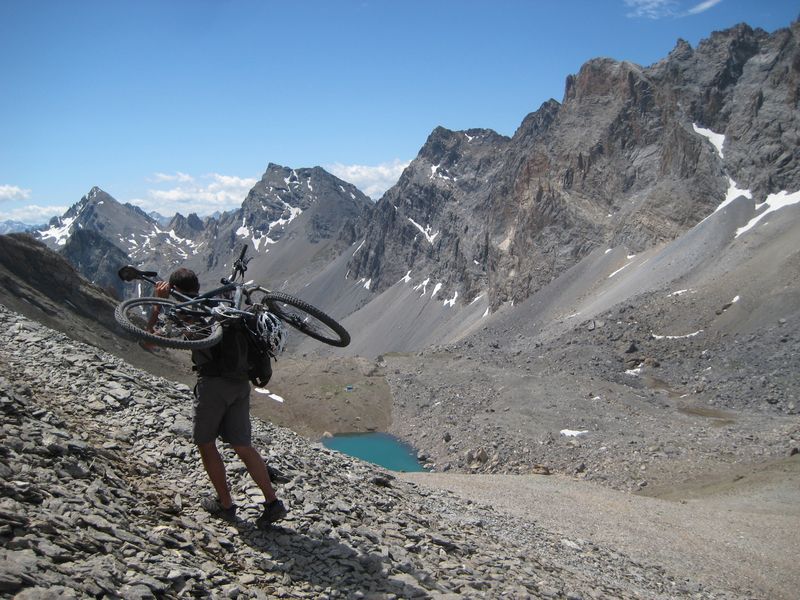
(259, 357)
(240, 354)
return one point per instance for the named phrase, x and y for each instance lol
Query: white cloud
(703, 6)
(230, 182)
(651, 9)
(373, 180)
(13, 192)
(178, 176)
(33, 214)
(659, 9)
(202, 195)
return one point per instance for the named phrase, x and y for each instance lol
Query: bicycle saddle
(129, 273)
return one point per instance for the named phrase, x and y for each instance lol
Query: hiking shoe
(213, 507)
(273, 511)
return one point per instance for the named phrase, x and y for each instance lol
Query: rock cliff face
(97, 258)
(434, 221)
(619, 162)
(287, 209)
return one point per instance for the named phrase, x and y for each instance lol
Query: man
(222, 409)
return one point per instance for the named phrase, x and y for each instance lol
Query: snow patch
(426, 231)
(359, 247)
(266, 392)
(773, 202)
(59, 234)
(243, 231)
(676, 337)
(423, 285)
(452, 301)
(476, 299)
(735, 300)
(367, 284)
(733, 193)
(407, 278)
(625, 266)
(716, 139)
(677, 293)
(436, 289)
(573, 432)
(294, 212)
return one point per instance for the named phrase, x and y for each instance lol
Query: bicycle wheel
(306, 319)
(158, 320)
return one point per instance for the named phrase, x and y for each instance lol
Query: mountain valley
(604, 306)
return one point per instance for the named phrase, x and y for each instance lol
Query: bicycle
(194, 323)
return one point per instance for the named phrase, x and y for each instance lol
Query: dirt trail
(735, 531)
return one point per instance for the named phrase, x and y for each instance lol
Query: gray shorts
(222, 408)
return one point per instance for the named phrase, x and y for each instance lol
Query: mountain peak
(601, 77)
(97, 194)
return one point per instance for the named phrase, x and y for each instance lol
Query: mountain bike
(197, 322)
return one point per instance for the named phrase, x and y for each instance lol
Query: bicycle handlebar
(129, 273)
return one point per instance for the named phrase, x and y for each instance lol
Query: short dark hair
(185, 280)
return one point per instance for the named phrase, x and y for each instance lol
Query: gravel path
(100, 485)
(737, 532)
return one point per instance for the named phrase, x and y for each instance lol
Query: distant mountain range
(632, 157)
(14, 227)
(304, 206)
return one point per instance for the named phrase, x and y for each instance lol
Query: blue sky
(179, 105)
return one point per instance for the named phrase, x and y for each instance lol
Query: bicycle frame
(213, 308)
(240, 294)
(186, 303)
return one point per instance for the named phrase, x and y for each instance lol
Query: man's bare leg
(258, 470)
(215, 467)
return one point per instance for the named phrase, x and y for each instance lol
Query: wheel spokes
(173, 323)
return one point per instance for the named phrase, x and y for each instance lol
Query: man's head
(185, 281)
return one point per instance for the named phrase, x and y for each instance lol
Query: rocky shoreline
(101, 484)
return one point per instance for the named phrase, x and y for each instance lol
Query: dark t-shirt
(228, 358)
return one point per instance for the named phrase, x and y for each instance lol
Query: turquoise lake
(378, 448)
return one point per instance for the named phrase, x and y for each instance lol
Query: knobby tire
(173, 329)
(307, 319)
